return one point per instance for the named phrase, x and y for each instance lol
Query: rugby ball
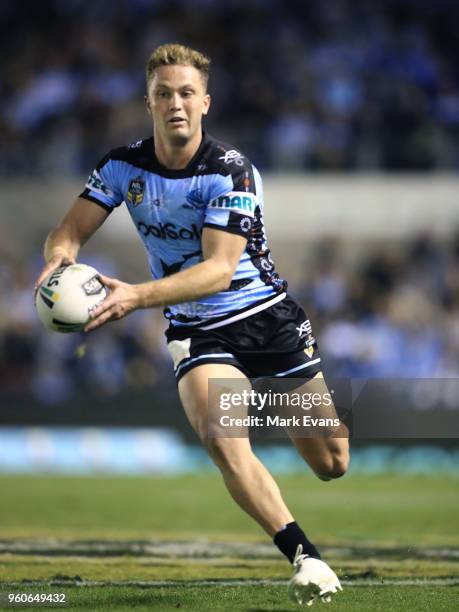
(67, 296)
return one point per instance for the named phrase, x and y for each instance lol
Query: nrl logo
(136, 191)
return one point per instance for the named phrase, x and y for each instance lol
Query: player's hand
(122, 299)
(57, 261)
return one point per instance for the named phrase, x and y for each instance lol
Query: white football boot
(312, 580)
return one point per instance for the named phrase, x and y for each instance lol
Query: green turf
(251, 599)
(388, 510)
(384, 518)
(47, 568)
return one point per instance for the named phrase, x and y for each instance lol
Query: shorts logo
(309, 350)
(305, 328)
(136, 191)
(232, 156)
(236, 201)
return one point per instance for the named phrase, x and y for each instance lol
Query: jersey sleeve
(103, 183)
(233, 197)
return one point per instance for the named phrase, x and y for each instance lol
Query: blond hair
(177, 55)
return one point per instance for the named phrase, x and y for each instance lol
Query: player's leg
(291, 351)
(327, 456)
(248, 481)
(254, 489)
(246, 478)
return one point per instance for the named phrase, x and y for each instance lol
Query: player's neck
(176, 157)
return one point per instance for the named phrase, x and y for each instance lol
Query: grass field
(179, 543)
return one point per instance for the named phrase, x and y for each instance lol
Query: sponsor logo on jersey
(169, 230)
(136, 191)
(232, 157)
(95, 183)
(236, 201)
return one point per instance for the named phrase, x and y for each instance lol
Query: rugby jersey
(220, 189)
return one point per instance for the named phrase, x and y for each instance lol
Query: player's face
(177, 100)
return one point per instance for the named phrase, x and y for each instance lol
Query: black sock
(288, 538)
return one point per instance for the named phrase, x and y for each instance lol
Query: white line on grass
(206, 549)
(427, 582)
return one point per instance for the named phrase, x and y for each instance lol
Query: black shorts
(276, 342)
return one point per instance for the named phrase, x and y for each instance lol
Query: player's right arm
(64, 242)
(100, 196)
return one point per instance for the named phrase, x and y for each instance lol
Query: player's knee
(223, 454)
(333, 466)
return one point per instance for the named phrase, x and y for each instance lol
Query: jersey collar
(191, 167)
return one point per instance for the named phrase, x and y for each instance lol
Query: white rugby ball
(67, 296)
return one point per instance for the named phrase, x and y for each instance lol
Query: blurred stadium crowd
(341, 84)
(396, 313)
(335, 85)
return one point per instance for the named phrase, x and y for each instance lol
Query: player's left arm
(221, 254)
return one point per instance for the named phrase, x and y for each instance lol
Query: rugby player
(197, 204)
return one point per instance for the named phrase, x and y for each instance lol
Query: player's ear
(206, 104)
(147, 104)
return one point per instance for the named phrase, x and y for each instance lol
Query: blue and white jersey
(220, 189)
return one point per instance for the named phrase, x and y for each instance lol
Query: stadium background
(352, 117)
(350, 109)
